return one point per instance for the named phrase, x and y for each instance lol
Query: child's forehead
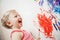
(14, 13)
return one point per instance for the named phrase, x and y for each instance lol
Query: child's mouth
(19, 21)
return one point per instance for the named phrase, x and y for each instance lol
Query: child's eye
(15, 16)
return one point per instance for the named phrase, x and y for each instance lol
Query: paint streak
(55, 5)
(41, 2)
(46, 24)
(57, 25)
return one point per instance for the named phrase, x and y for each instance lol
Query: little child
(12, 20)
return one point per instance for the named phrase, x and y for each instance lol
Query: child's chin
(20, 26)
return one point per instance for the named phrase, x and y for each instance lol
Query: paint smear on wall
(46, 24)
(49, 16)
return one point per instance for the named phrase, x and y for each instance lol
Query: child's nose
(19, 17)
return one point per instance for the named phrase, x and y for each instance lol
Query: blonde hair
(6, 17)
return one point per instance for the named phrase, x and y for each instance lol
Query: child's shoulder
(16, 33)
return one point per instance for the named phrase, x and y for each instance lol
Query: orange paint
(46, 24)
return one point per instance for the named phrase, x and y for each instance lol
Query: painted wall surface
(40, 17)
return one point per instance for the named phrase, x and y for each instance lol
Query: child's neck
(15, 28)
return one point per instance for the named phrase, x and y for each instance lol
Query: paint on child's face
(15, 20)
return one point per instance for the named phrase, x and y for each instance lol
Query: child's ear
(8, 23)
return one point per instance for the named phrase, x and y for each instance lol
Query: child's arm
(17, 36)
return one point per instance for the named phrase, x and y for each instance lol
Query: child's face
(15, 19)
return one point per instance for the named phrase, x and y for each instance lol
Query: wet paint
(57, 25)
(55, 5)
(46, 24)
(41, 2)
(57, 9)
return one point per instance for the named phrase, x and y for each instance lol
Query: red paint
(46, 24)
